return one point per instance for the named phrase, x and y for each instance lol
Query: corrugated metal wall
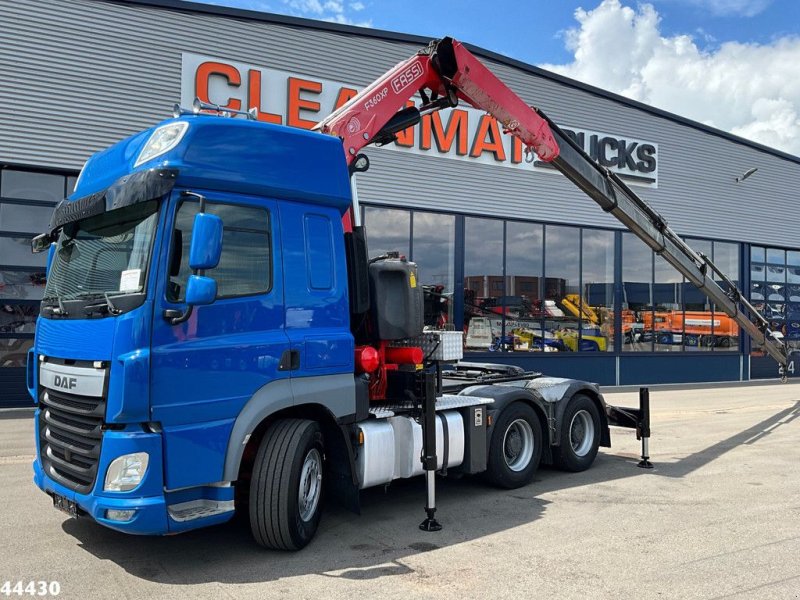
(77, 75)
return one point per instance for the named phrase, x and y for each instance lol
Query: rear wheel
(515, 448)
(580, 435)
(286, 486)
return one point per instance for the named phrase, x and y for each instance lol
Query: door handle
(290, 361)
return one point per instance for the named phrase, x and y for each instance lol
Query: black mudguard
(549, 396)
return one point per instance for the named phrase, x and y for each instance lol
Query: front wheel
(515, 448)
(580, 435)
(286, 486)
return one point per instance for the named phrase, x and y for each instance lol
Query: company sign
(461, 133)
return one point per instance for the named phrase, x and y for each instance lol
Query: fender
(556, 389)
(503, 395)
(335, 393)
(550, 395)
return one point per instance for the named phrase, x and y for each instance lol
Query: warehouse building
(508, 251)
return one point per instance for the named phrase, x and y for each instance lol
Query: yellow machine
(578, 307)
(588, 342)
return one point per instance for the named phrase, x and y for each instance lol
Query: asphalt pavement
(719, 517)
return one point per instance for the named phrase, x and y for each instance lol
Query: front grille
(70, 434)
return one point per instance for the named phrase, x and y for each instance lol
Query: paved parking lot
(719, 517)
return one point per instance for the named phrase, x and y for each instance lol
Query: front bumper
(151, 503)
(148, 499)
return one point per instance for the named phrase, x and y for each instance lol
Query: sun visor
(130, 189)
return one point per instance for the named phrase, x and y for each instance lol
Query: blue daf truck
(214, 337)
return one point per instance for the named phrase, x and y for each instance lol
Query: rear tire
(286, 485)
(515, 448)
(580, 435)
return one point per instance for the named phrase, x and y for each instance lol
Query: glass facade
(533, 287)
(27, 199)
(775, 291)
(511, 286)
(662, 312)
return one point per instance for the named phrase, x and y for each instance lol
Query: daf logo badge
(65, 383)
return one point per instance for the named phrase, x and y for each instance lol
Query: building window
(14, 351)
(525, 284)
(530, 287)
(596, 302)
(560, 310)
(485, 305)
(32, 185)
(775, 292)
(27, 199)
(23, 218)
(388, 230)
(725, 331)
(667, 320)
(433, 250)
(637, 295)
(700, 316)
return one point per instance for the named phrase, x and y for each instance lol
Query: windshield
(104, 258)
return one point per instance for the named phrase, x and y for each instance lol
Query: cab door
(206, 368)
(317, 309)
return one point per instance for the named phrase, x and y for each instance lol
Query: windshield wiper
(58, 311)
(108, 306)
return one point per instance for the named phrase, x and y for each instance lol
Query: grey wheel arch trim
(505, 395)
(550, 402)
(335, 393)
(594, 394)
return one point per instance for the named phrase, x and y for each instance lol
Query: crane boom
(615, 197)
(445, 72)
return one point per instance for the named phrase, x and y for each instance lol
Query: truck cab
(197, 283)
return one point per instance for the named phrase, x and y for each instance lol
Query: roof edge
(253, 15)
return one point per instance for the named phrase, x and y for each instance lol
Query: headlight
(162, 140)
(126, 472)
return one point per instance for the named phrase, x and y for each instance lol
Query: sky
(730, 64)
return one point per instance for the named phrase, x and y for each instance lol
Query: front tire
(286, 486)
(515, 448)
(580, 435)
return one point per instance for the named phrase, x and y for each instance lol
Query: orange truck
(699, 327)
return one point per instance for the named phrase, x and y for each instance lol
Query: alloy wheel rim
(310, 484)
(518, 445)
(581, 433)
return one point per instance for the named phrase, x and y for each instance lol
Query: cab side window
(245, 267)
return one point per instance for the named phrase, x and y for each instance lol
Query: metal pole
(429, 459)
(643, 429)
(356, 205)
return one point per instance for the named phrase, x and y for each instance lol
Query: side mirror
(200, 290)
(206, 245)
(41, 243)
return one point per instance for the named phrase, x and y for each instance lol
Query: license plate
(65, 505)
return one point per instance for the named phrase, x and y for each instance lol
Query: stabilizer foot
(645, 463)
(430, 524)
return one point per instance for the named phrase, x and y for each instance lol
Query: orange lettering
(405, 138)
(487, 139)
(203, 75)
(445, 136)
(254, 97)
(516, 150)
(344, 96)
(296, 103)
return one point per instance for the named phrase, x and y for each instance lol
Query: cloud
(725, 8)
(751, 90)
(326, 10)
